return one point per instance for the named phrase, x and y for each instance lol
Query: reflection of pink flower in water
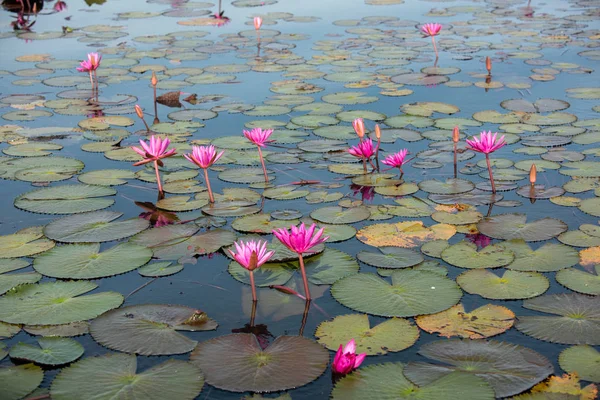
(479, 239)
(367, 193)
(60, 6)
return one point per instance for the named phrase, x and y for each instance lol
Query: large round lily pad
(391, 257)
(515, 226)
(338, 215)
(150, 329)
(393, 335)
(388, 382)
(485, 321)
(508, 368)
(20, 380)
(55, 303)
(93, 227)
(578, 280)
(511, 285)
(583, 360)
(85, 261)
(66, 199)
(238, 363)
(23, 245)
(51, 351)
(465, 255)
(546, 258)
(115, 377)
(575, 319)
(412, 292)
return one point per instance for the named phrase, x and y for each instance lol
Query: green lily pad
(581, 169)
(9, 281)
(388, 382)
(150, 329)
(285, 193)
(412, 292)
(508, 368)
(457, 218)
(55, 303)
(547, 258)
(237, 363)
(591, 206)
(18, 381)
(582, 360)
(391, 257)
(514, 226)
(157, 269)
(66, 199)
(85, 261)
(575, 320)
(245, 175)
(260, 223)
(115, 377)
(338, 215)
(63, 330)
(51, 351)
(23, 245)
(93, 227)
(392, 335)
(451, 186)
(578, 280)
(349, 98)
(8, 330)
(106, 177)
(465, 255)
(511, 285)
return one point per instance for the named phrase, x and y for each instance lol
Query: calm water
(206, 284)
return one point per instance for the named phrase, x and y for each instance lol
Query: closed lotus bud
(154, 79)
(532, 174)
(455, 134)
(377, 132)
(488, 64)
(139, 112)
(359, 127)
(257, 22)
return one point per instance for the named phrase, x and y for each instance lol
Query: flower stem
(262, 161)
(304, 317)
(253, 315)
(210, 193)
(487, 160)
(254, 298)
(401, 172)
(455, 161)
(160, 190)
(434, 46)
(304, 280)
(364, 165)
(92, 82)
(155, 105)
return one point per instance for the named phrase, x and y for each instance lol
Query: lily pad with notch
(512, 285)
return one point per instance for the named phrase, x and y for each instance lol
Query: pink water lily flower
(397, 160)
(244, 252)
(364, 150)
(431, 29)
(60, 6)
(486, 144)
(91, 64)
(260, 138)
(154, 151)
(346, 360)
(301, 240)
(204, 157)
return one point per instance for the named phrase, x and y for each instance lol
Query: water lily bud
(488, 65)
(154, 79)
(359, 127)
(455, 134)
(532, 174)
(139, 112)
(377, 132)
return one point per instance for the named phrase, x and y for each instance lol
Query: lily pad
(450, 186)
(51, 351)
(575, 320)
(485, 321)
(55, 303)
(514, 226)
(465, 255)
(392, 335)
(66, 199)
(403, 234)
(579, 281)
(511, 285)
(115, 375)
(508, 368)
(338, 215)
(411, 292)
(237, 362)
(150, 329)
(391, 257)
(582, 360)
(20, 380)
(388, 382)
(23, 245)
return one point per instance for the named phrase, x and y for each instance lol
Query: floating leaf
(164, 268)
(388, 382)
(23, 244)
(485, 321)
(391, 257)
(66, 199)
(514, 226)
(237, 363)
(18, 381)
(115, 375)
(412, 292)
(511, 285)
(393, 335)
(403, 234)
(51, 351)
(582, 360)
(338, 215)
(63, 330)
(465, 255)
(508, 368)
(579, 281)
(547, 258)
(150, 329)
(576, 320)
(54, 303)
